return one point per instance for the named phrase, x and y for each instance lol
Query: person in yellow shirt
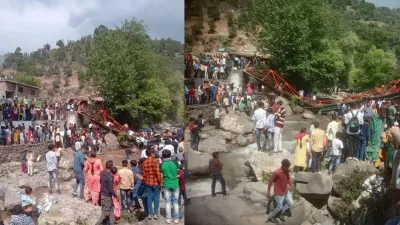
(126, 184)
(318, 143)
(302, 146)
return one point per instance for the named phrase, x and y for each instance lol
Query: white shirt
(143, 155)
(77, 145)
(51, 160)
(271, 122)
(170, 148)
(337, 146)
(348, 116)
(217, 113)
(332, 129)
(260, 116)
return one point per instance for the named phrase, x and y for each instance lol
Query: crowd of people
(366, 131)
(29, 109)
(160, 168)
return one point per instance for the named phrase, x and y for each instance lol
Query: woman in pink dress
(30, 135)
(8, 135)
(117, 208)
(93, 168)
(249, 89)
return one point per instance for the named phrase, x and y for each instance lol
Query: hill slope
(58, 68)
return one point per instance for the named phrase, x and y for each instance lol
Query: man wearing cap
(52, 170)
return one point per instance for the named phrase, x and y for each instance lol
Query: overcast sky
(30, 24)
(387, 3)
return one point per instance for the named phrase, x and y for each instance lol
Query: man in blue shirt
(79, 164)
(137, 174)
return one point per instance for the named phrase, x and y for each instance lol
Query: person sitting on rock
(280, 179)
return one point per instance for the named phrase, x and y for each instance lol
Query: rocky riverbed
(315, 202)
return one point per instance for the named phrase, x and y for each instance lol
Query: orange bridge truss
(278, 84)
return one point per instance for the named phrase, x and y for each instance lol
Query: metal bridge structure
(279, 85)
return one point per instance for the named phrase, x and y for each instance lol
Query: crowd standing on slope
(161, 168)
(367, 131)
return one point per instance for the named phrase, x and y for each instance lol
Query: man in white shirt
(217, 115)
(353, 121)
(52, 170)
(260, 116)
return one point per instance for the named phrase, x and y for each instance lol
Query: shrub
(211, 24)
(123, 139)
(296, 101)
(350, 188)
(28, 80)
(232, 31)
(230, 19)
(196, 28)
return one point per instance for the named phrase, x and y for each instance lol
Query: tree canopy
(135, 82)
(321, 44)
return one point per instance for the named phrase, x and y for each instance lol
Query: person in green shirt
(169, 170)
(391, 114)
(242, 107)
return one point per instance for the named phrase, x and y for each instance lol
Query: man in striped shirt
(279, 123)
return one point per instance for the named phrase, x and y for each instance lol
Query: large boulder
(238, 123)
(59, 211)
(308, 115)
(301, 209)
(286, 104)
(213, 144)
(333, 205)
(67, 159)
(242, 141)
(111, 141)
(346, 169)
(262, 162)
(66, 175)
(312, 185)
(255, 192)
(11, 197)
(197, 162)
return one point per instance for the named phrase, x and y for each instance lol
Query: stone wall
(12, 153)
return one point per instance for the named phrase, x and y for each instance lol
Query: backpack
(353, 127)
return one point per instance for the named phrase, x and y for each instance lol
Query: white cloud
(29, 24)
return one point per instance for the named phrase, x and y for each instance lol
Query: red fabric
(181, 174)
(192, 91)
(300, 136)
(191, 127)
(281, 180)
(275, 107)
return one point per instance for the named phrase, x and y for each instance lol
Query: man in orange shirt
(152, 180)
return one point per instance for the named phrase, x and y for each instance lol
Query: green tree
(121, 55)
(292, 34)
(377, 67)
(27, 79)
(100, 29)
